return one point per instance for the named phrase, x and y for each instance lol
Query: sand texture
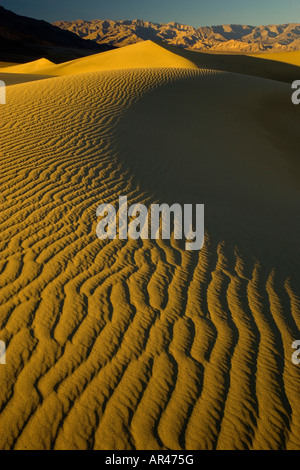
(141, 344)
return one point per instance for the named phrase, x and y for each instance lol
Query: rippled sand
(141, 344)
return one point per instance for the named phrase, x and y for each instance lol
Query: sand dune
(7, 64)
(22, 73)
(151, 54)
(146, 54)
(141, 344)
(286, 57)
(35, 66)
(16, 78)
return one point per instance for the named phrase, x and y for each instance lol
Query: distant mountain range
(235, 38)
(23, 39)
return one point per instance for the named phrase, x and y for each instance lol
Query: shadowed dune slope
(141, 344)
(240, 63)
(7, 64)
(30, 67)
(16, 78)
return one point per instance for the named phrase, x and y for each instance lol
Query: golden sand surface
(141, 55)
(292, 57)
(139, 344)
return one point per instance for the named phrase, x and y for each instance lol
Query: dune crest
(141, 55)
(149, 54)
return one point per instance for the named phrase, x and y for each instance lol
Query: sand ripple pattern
(126, 345)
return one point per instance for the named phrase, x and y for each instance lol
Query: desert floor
(141, 344)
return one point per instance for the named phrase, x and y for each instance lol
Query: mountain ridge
(232, 37)
(23, 39)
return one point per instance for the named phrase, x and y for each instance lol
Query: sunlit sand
(287, 57)
(126, 344)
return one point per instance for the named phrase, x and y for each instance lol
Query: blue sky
(193, 12)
